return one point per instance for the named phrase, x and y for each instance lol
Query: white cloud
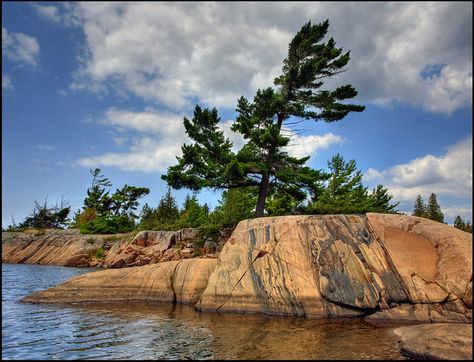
(164, 124)
(215, 52)
(145, 155)
(49, 12)
(20, 48)
(448, 176)
(236, 138)
(6, 82)
(161, 135)
(302, 146)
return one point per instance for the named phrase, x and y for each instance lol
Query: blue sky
(106, 85)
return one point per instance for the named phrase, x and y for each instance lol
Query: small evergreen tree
(44, 216)
(420, 208)
(234, 206)
(97, 195)
(193, 214)
(380, 200)
(433, 210)
(167, 211)
(459, 223)
(344, 193)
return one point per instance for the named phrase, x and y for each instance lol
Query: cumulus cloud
(146, 154)
(20, 48)
(160, 135)
(448, 176)
(302, 146)
(218, 51)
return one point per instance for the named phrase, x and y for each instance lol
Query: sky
(107, 84)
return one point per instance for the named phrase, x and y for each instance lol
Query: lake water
(165, 331)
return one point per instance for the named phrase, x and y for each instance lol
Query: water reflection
(166, 331)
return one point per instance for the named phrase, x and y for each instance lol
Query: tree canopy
(262, 162)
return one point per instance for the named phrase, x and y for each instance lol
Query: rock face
(384, 267)
(70, 248)
(175, 281)
(151, 247)
(436, 341)
(434, 262)
(60, 247)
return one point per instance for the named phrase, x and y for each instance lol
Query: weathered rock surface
(70, 248)
(152, 247)
(386, 267)
(174, 281)
(436, 341)
(434, 262)
(59, 247)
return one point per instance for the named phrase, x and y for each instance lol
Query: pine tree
(97, 196)
(234, 206)
(459, 223)
(420, 208)
(380, 199)
(193, 214)
(167, 211)
(344, 193)
(262, 163)
(433, 211)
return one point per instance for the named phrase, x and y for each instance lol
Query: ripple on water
(163, 331)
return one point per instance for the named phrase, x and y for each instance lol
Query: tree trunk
(262, 194)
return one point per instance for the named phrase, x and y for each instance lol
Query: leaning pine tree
(265, 122)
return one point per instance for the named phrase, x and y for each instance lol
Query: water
(164, 331)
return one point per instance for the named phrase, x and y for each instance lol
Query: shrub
(108, 225)
(100, 253)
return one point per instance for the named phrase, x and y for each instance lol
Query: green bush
(100, 253)
(108, 225)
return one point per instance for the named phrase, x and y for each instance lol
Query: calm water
(164, 331)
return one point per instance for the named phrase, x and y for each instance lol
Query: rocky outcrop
(152, 247)
(385, 267)
(434, 263)
(176, 281)
(70, 248)
(59, 247)
(436, 341)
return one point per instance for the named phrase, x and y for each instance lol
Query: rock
(345, 265)
(58, 247)
(176, 281)
(446, 254)
(426, 313)
(301, 265)
(436, 341)
(151, 245)
(384, 266)
(210, 247)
